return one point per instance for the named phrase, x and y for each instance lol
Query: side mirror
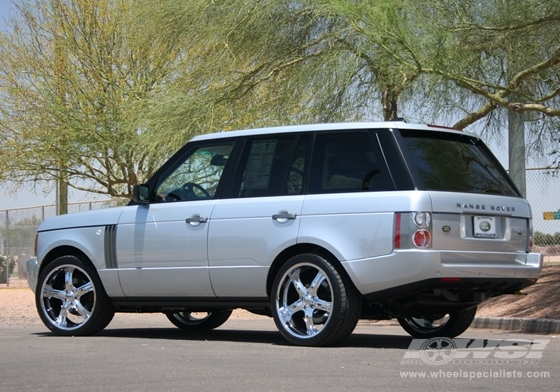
(141, 194)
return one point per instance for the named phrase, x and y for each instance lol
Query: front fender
(32, 270)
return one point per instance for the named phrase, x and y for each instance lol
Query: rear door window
(456, 163)
(272, 166)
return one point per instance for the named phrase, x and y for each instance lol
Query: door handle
(196, 219)
(283, 216)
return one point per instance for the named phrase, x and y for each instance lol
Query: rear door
(262, 216)
(349, 209)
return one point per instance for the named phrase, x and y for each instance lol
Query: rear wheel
(199, 321)
(70, 298)
(448, 325)
(314, 304)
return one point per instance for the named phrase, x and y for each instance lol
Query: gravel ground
(17, 304)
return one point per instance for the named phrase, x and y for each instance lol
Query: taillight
(422, 238)
(36, 239)
(413, 229)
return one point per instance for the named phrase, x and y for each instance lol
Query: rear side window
(456, 163)
(272, 166)
(345, 162)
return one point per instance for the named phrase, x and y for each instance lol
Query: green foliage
(543, 239)
(3, 264)
(76, 77)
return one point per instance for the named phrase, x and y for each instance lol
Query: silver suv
(317, 226)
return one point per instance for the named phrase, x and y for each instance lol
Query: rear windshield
(456, 163)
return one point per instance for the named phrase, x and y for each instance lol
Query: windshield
(456, 163)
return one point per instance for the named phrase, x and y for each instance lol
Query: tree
(75, 80)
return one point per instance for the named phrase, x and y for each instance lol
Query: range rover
(317, 226)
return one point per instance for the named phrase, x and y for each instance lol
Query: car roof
(329, 127)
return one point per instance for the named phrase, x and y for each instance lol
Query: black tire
(449, 325)
(71, 300)
(313, 304)
(200, 321)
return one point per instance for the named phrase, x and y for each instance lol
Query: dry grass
(542, 299)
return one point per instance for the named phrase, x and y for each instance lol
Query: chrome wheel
(305, 300)
(448, 325)
(70, 299)
(198, 321)
(312, 303)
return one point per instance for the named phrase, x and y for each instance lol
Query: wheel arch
(65, 250)
(294, 250)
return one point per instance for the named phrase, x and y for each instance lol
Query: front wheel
(448, 325)
(70, 298)
(313, 303)
(198, 321)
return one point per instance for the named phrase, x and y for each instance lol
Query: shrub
(3, 262)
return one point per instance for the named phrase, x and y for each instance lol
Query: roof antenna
(399, 119)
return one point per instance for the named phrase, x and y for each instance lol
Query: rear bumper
(493, 286)
(406, 272)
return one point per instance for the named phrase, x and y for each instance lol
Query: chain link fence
(18, 226)
(543, 192)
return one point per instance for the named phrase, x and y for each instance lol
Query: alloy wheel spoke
(81, 310)
(309, 324)
(323, 305)
(295, 307)
(62, 318)
(84, 289)
(68, 278)
(50, 292)
(287, 312)
(298, 285)
(319, 278)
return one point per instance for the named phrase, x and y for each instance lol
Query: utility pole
(7, 249)
(60, 68)
(516, 147)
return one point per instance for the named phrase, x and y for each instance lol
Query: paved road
(145, 353)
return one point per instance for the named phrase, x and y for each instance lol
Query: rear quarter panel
(356, 225)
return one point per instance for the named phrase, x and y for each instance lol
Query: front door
(162, 246)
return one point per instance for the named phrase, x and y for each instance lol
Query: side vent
(111, 247)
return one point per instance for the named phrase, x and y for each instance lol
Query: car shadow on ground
(245, 336)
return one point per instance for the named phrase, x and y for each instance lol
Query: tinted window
(345, 162)
(296, 172)
(269, 167)
(458, 163)
(198, 176)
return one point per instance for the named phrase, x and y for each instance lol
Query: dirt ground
(542, 300)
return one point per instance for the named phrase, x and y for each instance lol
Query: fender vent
(111, 247)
